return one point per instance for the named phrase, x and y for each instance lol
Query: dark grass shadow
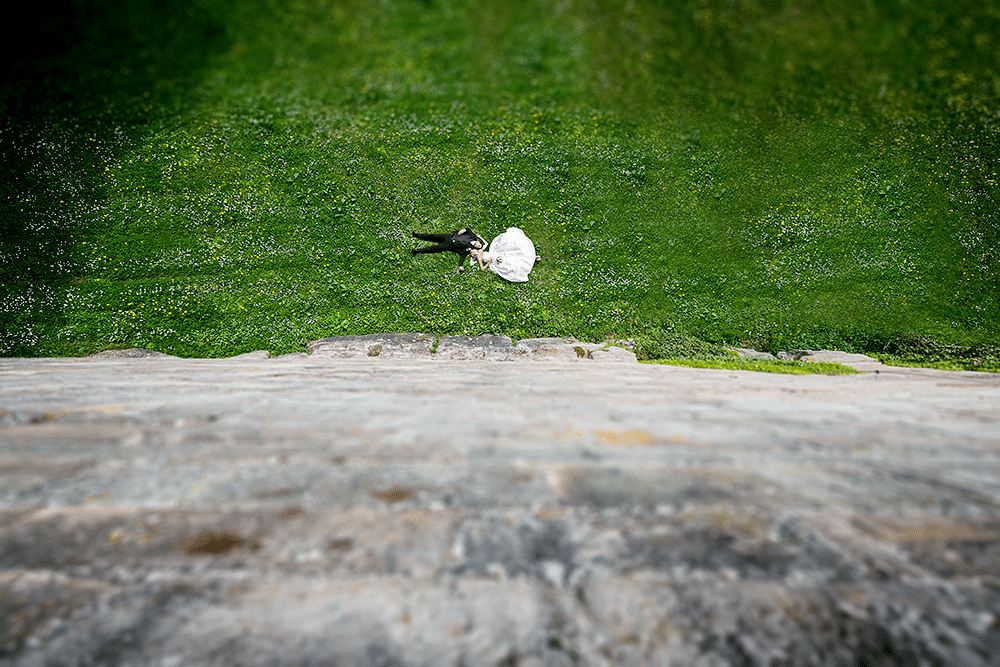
(84, 57)
(77, 71)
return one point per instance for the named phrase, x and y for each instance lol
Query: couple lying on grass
(511, 255)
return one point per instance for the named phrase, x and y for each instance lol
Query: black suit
(460, 242)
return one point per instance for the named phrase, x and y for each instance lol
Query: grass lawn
(214, 177)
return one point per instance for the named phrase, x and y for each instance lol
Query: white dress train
(513, 255)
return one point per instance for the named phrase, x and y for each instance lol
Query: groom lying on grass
(461, 242)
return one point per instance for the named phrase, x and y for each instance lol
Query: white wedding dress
(513, 255)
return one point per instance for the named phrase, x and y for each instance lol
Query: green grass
(951, 365)
(928, 353)
(763, 365)
(210, 178)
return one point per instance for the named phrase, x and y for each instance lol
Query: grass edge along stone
(762, 365)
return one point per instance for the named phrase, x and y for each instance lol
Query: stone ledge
(527, 515)
(497, 348)
(862, 362)
(559, 349)
(469, 348)
(381, 345)
(256, 354)
(132, 353)
(406, 345)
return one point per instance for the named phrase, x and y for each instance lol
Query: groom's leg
(440, 247)
(436, 238)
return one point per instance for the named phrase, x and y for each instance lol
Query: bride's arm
(485, 259)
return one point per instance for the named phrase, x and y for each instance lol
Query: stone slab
(425, 512)
(494, 348)
(862, 362)
(132, 353)
(256, 354)
(291, 356)
(377, 347)
(373, 346)
(571, 350)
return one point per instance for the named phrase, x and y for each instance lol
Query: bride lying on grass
(511, 256)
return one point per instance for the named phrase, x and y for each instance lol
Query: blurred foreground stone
(330, 509)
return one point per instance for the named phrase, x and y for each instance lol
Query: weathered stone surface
(560, 349)
(535, 343)
(793, 355)
(546, 349)
(611, 353)
(132, 353)
(465, 348)
(425, 512)
(257, 354)
(753, 354)
(860, 361)
(291, 356)
(373, 346)
(495, 348)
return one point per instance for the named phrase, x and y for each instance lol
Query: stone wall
(429, 510)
